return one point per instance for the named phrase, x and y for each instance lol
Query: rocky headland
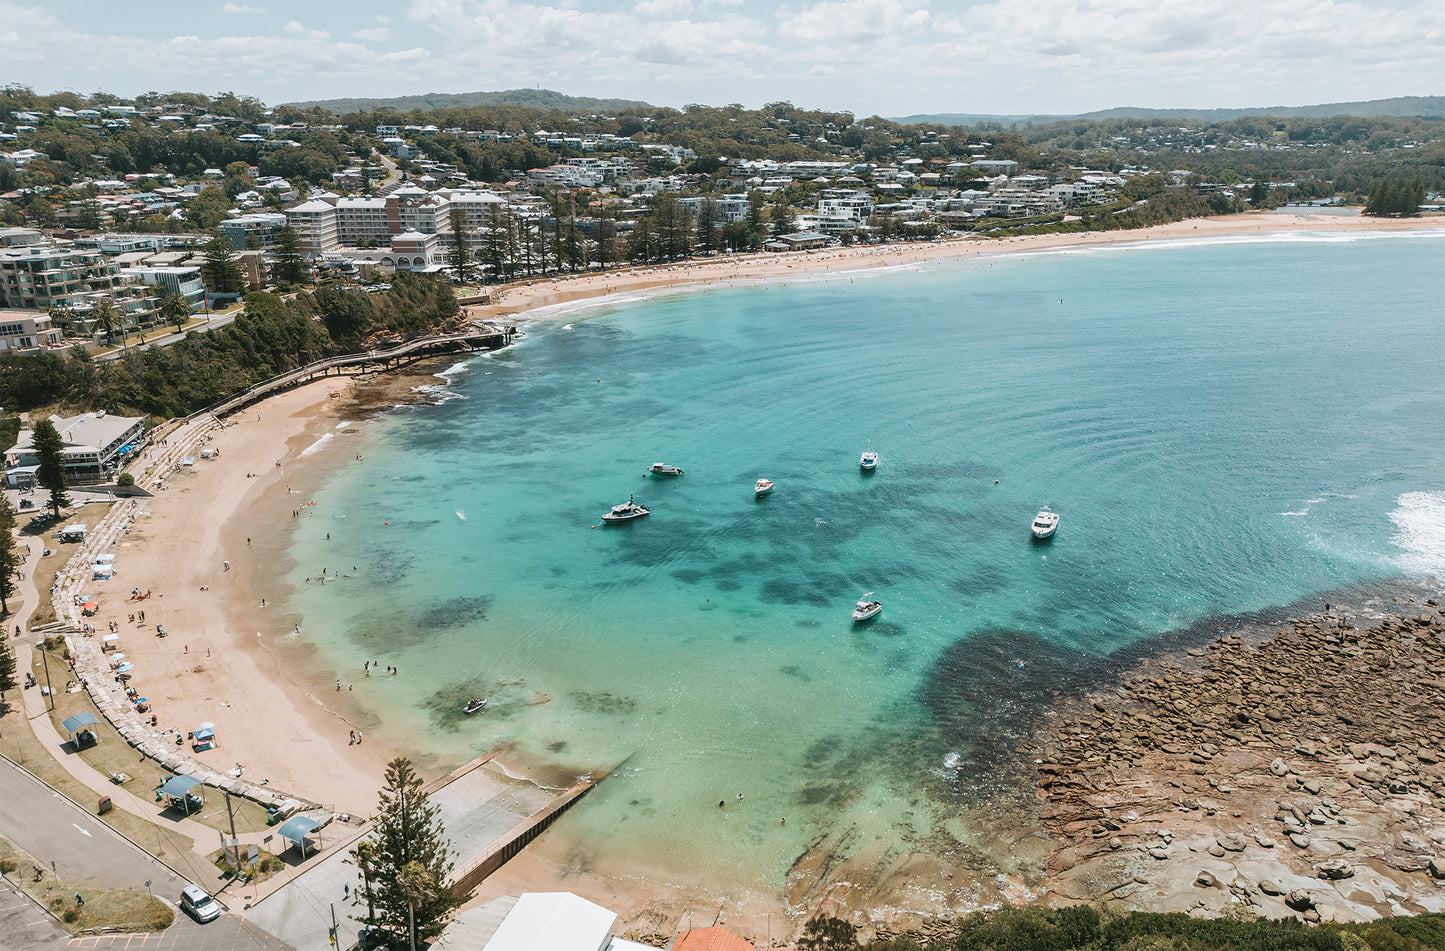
(1293, 771)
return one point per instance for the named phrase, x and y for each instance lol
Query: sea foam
(1420, 532)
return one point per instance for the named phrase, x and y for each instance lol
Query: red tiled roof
(711, 939)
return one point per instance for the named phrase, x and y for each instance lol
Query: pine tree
(411, 859)
(219, 267)
(9, 558)
(50, 453)
(290, 263)
(461, 254)
(7, 674)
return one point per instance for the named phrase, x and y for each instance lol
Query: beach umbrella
(126, 667)
(141, 700)
(206, 726)
(89, 606)
(116, 657)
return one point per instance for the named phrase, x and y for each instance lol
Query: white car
(198, 904)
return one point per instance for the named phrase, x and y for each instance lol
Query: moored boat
(866, 609)
(763, 487)
(662, 469)
(869, 460)
(1045, 523)
(626, 511)
(474, 705)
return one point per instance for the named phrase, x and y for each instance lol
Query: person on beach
(338, 686)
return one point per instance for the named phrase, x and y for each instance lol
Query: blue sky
(885, 57)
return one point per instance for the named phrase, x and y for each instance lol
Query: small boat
(869, 460)
(763, 487)
(658, 468)
(866, 609)
(1045, 523)
(474, 705)
(627, 510)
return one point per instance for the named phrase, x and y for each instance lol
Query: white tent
(106, 559)
(101, 572)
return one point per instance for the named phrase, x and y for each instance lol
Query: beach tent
(297, 830)
(179, 790)
(72, 533)
(205, 737)
(106, 559)
(110, 642)
(101, 571)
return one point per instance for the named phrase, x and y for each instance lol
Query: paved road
(85, 850)
(88, 853)
(165, 340)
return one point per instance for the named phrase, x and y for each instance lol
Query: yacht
(624, 512)
(866, 609)
(658, 468)
(763, 487)
(869, 460)
(1045, 523)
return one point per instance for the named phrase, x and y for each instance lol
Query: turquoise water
(1225, 427)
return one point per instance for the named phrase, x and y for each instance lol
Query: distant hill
(1430, 107)
(531, 98)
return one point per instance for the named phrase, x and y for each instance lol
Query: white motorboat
(658, 468)
(869, 460)
(626, 511)
(474, 705)
(763, 487)
(1045, 523)
(866, 609)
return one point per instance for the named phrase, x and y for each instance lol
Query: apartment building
(39, 277)
(249, 232)
(27, 331)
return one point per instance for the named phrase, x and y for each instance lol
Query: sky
(868, 57)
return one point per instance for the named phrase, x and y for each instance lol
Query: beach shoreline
(534, 299)
(217, 513)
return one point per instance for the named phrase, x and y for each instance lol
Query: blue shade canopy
(298, 829)
(178, 786)
(79, 721)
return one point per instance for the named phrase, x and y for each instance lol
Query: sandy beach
(216, 663)
(220, 663)
(524, 299)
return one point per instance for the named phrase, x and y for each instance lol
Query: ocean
(1225, 426)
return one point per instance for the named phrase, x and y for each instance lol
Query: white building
(96, 446)
(27, 331)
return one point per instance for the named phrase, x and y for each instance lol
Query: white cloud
(374, 35)
(242, 8)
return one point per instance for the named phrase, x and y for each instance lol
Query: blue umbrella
(126, 667)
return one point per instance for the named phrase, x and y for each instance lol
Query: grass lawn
(113, 909)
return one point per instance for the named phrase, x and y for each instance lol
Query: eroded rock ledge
(1300, 775)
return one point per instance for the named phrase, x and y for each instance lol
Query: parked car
(198, 904)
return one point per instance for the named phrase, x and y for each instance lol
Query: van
(199, 905)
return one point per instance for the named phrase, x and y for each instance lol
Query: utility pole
(235, 847)
(49, 690)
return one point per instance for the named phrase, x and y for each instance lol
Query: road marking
(82, 831)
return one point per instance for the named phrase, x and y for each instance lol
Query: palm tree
(416, 884)
(362, 857)
(176, 310)
(106, 318)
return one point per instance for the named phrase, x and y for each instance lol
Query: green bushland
(1086, 928)
(274, 336)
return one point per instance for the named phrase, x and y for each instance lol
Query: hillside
(1430, 107)
(531, 98)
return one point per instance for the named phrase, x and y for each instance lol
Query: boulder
(1279, 767)
(1233, 842)
(1205, 880)
(1335, 869)
(1270, 887)
(1300, 900)
(1437, 868)
(1159, 852)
